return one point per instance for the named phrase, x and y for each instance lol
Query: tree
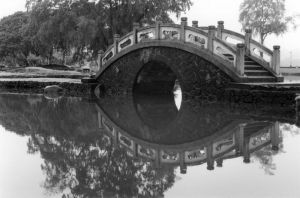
(13, 44)
(91, 25)
(264, 17)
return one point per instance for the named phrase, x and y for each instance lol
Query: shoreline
(262, 93)
(72, 87)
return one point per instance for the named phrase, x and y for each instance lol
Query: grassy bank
(38, 72)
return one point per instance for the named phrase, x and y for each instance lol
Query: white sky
(208, 12)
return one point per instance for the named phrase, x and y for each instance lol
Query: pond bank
(72, 87)
(267, 93)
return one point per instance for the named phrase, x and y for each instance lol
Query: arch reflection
(238, 136)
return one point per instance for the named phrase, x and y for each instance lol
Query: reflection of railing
(233, 143)
(220, 42)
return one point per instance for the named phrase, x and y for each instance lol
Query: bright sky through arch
(208, 13)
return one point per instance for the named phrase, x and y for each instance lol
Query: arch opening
(155, 78)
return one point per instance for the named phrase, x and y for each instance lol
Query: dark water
(143, 146)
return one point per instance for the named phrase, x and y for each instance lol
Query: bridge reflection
(236, 138)
(111, 147)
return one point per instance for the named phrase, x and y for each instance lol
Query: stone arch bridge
(198, 57)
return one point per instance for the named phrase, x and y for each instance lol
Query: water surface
(142, 146)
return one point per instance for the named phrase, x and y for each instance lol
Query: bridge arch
(195, 69)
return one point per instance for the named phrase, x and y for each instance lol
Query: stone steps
(257, 72)
(250, 63)
(254, 67)
(254, 71)
(259, 79)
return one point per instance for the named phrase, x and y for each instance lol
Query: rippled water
(144, 146)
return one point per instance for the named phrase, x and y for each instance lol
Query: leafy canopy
(83, 25)
(264, 17)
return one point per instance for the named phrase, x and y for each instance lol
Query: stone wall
(197, 76)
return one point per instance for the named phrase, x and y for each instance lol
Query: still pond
(141, 146)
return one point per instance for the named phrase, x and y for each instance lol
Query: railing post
(240, 58)
(220, 29)
(135, 31)
(100, 57)
(275, 64)
(211, 36)
(239, 139)
(182, 30)
(248, 37)
(116, 42)
(210, 159)
(157, 158)
(219, 162)
(157, 30)
(275, 140)
(183, 167)
(100, 124)
(246, 151)
(195, 24)
(116, 140)
(135, 150)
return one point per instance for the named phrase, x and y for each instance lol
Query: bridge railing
(180, 33)
(268, 58)
(228, 45)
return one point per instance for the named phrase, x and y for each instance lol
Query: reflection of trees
(30, 114)
(292, 129)
(265, 157)
(90, 165)
(77, 156)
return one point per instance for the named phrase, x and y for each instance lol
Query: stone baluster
(116, 139)
(220, 29)
(183, 167)
(275, 63)
(116, 43)
(275, 140)
(135, 31)
(240, 58)
(182, 30)
(100, 57)
(248, 37)
(246, 151)
(239, 139)
(157, 159)
(211, 36)
(157, 30)
(135, 150)
(210, 159)
(219, 162)
(100, 123)
(195, 24)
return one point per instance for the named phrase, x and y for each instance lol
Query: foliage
(34, 60)
(13, 45)
(264, 17)
(78, 26)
